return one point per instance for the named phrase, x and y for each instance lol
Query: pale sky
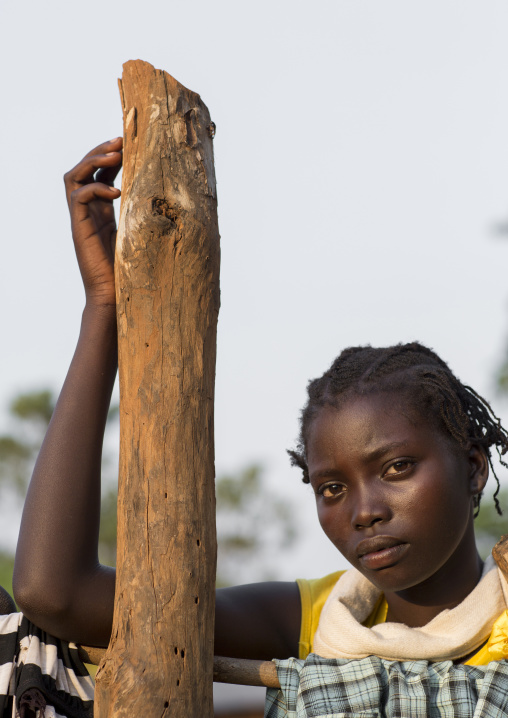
(362, 165)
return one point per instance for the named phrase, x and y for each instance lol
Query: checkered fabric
(370, 687)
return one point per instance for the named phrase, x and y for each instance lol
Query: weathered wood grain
(241, 671)
(160, 659)
(500, 554)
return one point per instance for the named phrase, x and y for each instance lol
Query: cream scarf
(452, 634)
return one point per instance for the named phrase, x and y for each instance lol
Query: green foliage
(254, 524)
(30, 414)
(34, 406)
(15, 462)
(6, 569)
(502, 378)
(107, 533)
(233, 491)
(489, 526)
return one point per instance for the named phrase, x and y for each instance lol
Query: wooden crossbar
(241, 671)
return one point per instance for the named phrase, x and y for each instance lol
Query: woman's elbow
(36, 596)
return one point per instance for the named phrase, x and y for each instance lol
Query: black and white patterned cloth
(40, 675)
(371, 687)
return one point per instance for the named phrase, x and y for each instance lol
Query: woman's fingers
(82, 196)
(90, 196)
(107, 175)
(104, 147)
(106, 157)
(80, 199)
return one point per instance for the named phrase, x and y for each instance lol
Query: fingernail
(116, 139)
(108, 154)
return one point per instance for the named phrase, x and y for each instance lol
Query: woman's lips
(384, 557)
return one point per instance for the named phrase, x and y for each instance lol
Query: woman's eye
(331, 491)
(399, 467)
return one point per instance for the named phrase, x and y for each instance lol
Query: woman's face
(393, 493)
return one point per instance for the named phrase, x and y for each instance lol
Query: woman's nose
(369, 508)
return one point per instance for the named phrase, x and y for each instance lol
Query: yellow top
(314, 593)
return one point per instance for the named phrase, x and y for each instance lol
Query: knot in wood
(161, 208)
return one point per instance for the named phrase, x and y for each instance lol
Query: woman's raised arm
(58, 580)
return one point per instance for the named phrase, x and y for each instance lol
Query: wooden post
(160, 659)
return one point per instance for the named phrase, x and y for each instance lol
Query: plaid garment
(370, 687)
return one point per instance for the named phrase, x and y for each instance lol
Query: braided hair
(430, 385)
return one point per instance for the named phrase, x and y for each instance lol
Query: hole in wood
(166, 704)
(176, 651)
(192, 138)
(165, 496)
(177, 683)
(196, 599)
(182, 653)
(161, 207)
(198, 542)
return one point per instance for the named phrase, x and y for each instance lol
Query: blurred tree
(489, 525)
(6, 568)
(29, 416)
(502, 377)
(253, 524)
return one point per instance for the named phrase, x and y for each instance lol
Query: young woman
(396, 449)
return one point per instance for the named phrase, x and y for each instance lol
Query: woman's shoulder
(313, 595)
(315, 591)
(496, 648)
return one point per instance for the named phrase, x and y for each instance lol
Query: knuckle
(74, 195)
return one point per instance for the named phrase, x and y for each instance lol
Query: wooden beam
(160, 659)
(242, 671)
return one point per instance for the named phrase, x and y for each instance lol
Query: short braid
(425, 377)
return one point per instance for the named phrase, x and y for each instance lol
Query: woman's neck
(418, 605)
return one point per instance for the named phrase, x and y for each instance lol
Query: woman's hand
(90, 195)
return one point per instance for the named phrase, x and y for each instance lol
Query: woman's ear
(479, 465)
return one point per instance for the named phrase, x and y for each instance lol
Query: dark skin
(60, 584)
(395, 496)
(58, 580)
